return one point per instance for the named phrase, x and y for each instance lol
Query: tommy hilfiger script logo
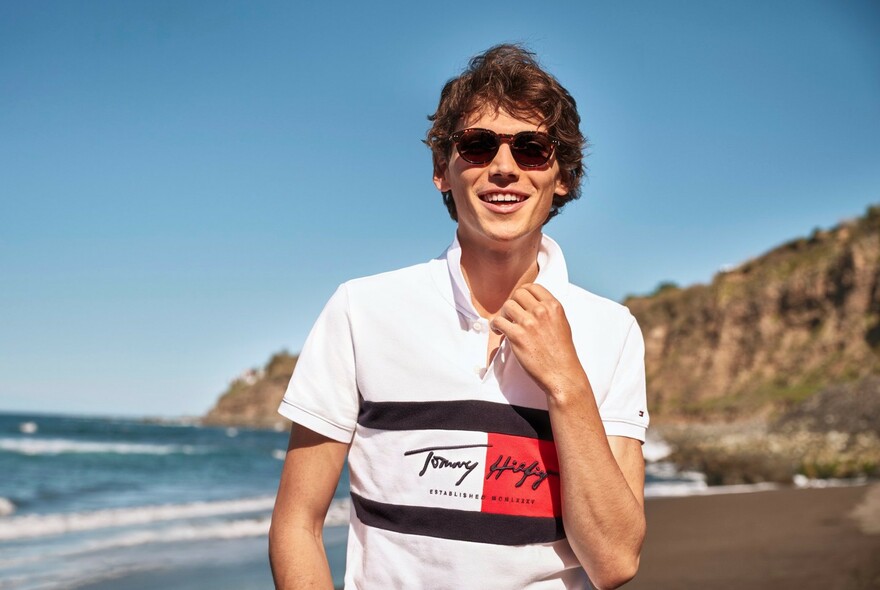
(435, 461)
(503, 464)
(524, 468)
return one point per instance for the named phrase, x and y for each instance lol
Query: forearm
(298, 559)
(604, 519)
(296, 547)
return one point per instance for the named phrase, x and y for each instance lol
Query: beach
(107, 504)
(778, 539)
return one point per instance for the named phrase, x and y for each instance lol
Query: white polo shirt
(454, 474)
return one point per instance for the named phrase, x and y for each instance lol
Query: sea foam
(44, 525)
(655, 449)
(235, 529)
(58, 446)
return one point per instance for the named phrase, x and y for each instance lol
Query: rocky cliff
(769, 333)
(252, 398)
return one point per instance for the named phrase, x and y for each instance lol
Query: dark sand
(791, 538)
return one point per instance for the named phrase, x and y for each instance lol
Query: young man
(492, 413)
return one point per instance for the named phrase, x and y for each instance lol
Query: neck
(494, 274)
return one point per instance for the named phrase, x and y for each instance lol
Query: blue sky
(183, 184)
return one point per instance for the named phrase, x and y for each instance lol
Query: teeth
(502, 198)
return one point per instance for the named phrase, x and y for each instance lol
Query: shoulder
(386, 283)
(583, 305)
(394, 292)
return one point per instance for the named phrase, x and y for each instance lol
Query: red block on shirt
(521, 477)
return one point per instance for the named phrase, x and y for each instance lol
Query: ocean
(104, 504)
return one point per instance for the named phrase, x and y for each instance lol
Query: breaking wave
(58, 446)
(44, 525)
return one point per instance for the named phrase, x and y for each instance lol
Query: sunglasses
(530, 149)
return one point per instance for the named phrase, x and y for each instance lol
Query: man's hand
(540, 336)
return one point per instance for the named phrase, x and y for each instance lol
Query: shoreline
(802, 538)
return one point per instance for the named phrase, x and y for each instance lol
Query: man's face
(500, 205)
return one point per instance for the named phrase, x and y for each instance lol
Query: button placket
(478, 328)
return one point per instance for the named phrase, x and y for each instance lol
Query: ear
(440, 177)
(561, 187)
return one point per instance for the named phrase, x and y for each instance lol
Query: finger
(539, 292)
(545, 302)
(501, 325)
(525, 298)
(514, 312)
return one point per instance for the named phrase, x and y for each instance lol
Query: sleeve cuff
(315, 423)
(627, 429)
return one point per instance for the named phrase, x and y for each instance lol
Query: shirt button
(478, 327)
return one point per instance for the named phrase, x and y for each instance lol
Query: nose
(503, 165)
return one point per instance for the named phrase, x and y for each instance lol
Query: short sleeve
(322, 394)
(624, 410)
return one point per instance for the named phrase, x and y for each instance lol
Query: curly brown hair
(508, 77)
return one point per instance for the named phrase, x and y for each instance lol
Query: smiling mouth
(502, 198)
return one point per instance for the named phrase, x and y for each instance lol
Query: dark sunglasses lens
(477, 147)
(531, 149)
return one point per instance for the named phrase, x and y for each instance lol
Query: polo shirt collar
(552, 274)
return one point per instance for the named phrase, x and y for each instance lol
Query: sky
(183, 184)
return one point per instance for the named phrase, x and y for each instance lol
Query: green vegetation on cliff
(252, 398)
